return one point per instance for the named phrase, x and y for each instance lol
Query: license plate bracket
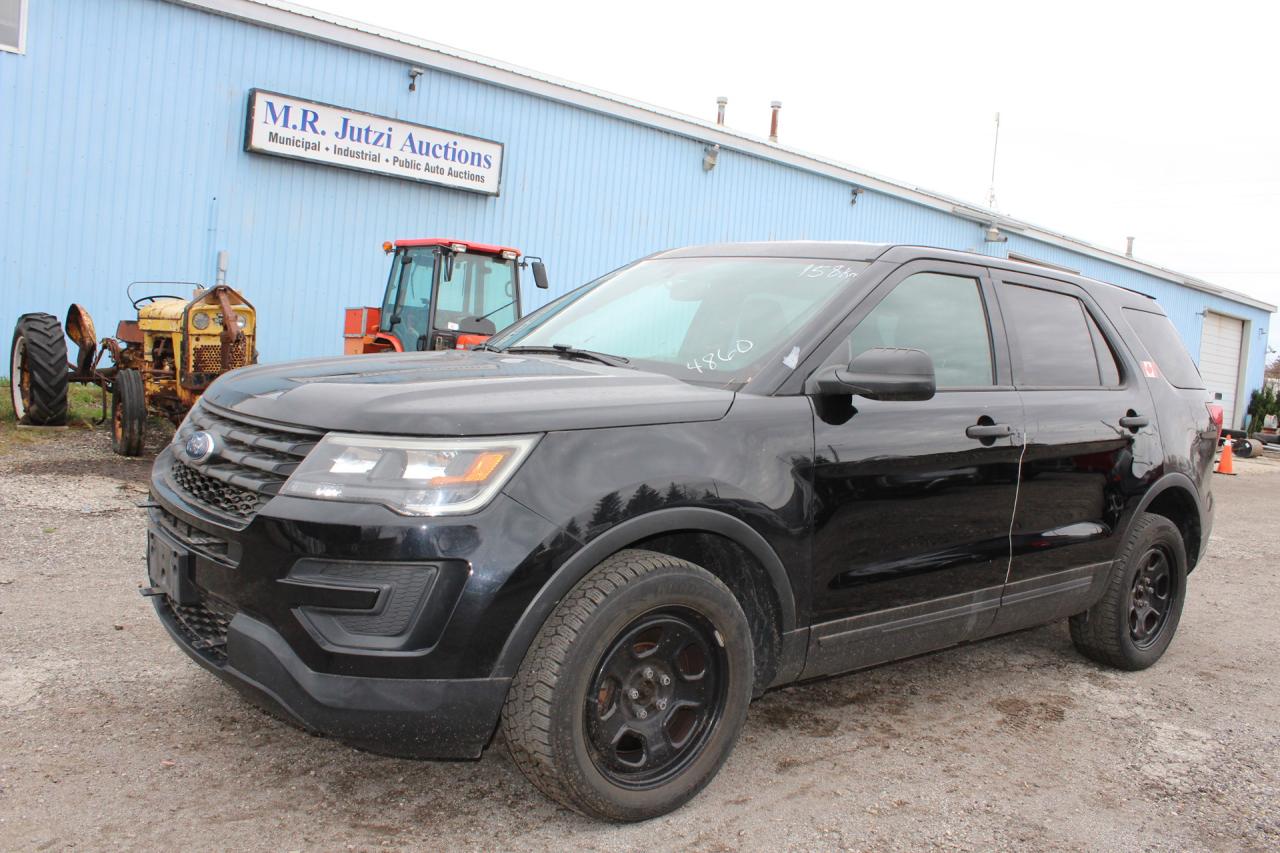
(169, 567)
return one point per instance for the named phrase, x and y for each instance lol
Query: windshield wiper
(574, 352)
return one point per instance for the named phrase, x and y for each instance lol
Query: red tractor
(441, 294)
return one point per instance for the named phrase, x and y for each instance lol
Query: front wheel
(1134, 622)
(634, 691)
(128, 413)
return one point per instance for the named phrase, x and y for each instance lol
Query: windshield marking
(715, 358)
(839, 271)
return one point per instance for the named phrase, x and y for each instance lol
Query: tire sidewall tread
(1102, 632)
(542, 721)
(46, 361)
(129, 395)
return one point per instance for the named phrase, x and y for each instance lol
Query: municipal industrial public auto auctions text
(348, 131)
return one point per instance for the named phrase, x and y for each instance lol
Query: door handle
(1134, 422)
(988, 431)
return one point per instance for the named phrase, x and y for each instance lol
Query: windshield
(480, 297)
(707, 320)
(407, 305)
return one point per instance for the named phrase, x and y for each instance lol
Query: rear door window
(1059, 344)
(1162, 342)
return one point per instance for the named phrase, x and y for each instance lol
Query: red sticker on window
(1150, 370)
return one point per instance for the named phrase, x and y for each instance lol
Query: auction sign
(335, 136)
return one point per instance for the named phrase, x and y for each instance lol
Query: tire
(128, 413)
(1121, 630)
(653, 620)
(38, 371)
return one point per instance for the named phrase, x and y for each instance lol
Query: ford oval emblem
(200, 446)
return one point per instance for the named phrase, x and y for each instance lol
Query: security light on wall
(414, 73)
(993, 235)
(710, 154)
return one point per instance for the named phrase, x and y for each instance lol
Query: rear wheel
(128, 413)
(634, 692)
(1133, 624)
(38, 371)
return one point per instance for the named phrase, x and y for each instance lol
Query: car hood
(456, 392)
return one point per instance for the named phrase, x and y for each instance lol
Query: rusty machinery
(160, 362)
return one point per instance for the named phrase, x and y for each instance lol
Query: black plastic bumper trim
(411, 718)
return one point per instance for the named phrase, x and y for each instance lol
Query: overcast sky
(1157, 120)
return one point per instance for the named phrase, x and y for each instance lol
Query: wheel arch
(1175, 497)
(674, 532)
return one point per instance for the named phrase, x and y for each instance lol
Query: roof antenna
(995, 148)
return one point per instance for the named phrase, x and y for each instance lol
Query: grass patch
(84, 407)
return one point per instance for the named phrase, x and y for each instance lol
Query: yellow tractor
(160, 362)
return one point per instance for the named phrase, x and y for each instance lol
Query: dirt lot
(110, 736)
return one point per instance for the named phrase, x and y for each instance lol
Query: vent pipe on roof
(1128, 249)
(773, 122)
(721, 103)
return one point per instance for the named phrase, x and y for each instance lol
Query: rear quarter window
(1161, 340)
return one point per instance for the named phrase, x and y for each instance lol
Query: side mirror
(883, 373)
(540, 275)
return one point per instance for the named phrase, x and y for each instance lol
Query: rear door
(1091, 445)
(913, 499)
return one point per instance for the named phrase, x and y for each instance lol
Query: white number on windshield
(837, 271)
(715, 358)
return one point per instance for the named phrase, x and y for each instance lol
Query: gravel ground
(111, 737)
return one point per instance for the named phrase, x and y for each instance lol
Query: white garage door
(1220, 361)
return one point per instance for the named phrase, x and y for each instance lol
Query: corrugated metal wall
(121, 136)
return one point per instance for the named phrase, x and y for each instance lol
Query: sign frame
(250, 113)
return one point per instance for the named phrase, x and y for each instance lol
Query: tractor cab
(441, 294)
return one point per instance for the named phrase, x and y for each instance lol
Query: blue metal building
(122, 134)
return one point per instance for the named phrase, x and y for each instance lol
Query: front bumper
(413, 718)
(377, 629)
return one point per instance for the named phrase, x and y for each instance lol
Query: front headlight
(200, 320)
(242, 320)
(413, 476)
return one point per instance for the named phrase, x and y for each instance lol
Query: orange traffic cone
(1224, 461)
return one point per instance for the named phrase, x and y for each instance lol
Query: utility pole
(995, 148)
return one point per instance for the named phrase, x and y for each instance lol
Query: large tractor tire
(38, 371)
(128, 413)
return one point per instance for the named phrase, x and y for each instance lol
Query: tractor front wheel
(128, 413)
(38, 371)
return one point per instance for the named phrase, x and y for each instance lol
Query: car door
(913, 500)
(1091, 445)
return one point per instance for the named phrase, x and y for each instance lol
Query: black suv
(714, 471)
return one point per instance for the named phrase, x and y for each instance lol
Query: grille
(249, 464)
(205, 624)
(207, 358)
(221, 496)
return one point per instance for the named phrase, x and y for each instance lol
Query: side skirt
(1038, 600)
(869, 639)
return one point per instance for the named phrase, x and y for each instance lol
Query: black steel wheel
(1133, 623)
(1151, 596)
(635, 689)
(657, 694)
(38, 371)
(128, 413)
